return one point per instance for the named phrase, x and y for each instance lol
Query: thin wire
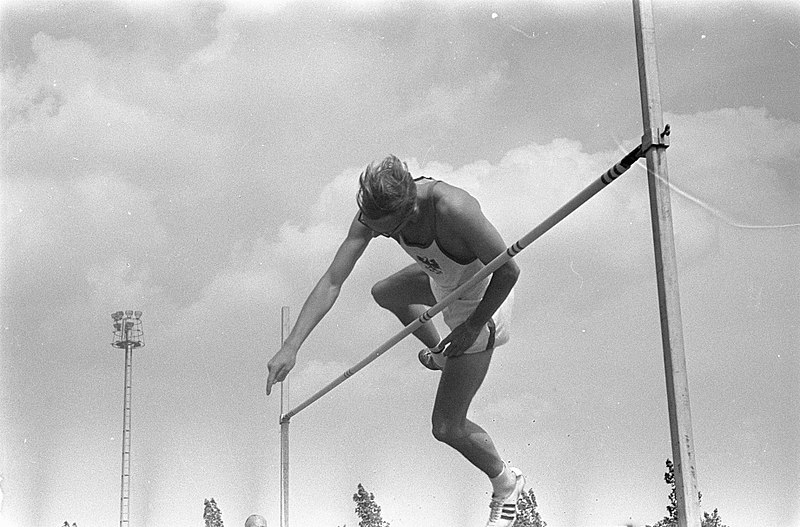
(727, 219)
(721, 215)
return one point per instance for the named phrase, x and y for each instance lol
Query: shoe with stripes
(425, 356)
(503, 511)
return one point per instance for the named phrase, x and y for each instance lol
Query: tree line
(369, 512)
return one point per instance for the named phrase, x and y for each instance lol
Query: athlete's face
(388, 225)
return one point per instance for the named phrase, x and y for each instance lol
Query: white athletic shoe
(425, 356)
(503, 511)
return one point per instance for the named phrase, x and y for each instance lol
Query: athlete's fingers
(271, 379)
(460, 340)
(454, 350)
(444, 345)
(447, 343)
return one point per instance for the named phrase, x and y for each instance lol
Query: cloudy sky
(198, 161)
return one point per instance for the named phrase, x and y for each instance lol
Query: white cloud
(94, 218)
(739, 162)
(69, 113)
(445, 104)
(220, 48)
(113, 283)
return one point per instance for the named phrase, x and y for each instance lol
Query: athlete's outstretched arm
(319, 301)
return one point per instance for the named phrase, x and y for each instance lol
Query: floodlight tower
(128, 335)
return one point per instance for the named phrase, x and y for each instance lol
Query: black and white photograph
(414, 263)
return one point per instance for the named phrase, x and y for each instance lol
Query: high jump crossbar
(599, 184)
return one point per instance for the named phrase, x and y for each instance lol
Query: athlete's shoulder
(450, 199)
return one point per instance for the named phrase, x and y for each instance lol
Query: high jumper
(461, 268)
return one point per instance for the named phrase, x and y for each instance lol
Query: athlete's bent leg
(460, 380)
(407, 294)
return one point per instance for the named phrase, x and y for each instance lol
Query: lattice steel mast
(128, 335)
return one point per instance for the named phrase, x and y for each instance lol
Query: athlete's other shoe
(425, 356)
(503, 511)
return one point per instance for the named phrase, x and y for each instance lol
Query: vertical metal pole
(284, 472)
(124, 500)
(655, 141)
(285, 328)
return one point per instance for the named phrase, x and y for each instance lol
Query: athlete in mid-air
(447, 235)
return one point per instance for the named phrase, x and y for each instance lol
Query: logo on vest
(430, 264)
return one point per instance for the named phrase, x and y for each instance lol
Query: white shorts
(494, 333)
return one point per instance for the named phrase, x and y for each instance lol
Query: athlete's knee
(385, 293)
(447, 431)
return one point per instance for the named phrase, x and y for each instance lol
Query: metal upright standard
(128, 335)
(285, 327)
(655, 142)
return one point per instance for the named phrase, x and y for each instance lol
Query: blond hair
(385, 188)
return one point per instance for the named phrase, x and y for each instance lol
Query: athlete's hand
(280, 365)
(460, 339)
